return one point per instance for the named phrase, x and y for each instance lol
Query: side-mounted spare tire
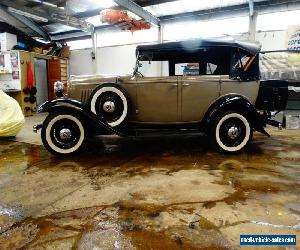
(112, 102)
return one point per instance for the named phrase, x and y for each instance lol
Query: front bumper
(37, 127)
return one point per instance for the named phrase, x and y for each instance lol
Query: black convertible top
(194, 45)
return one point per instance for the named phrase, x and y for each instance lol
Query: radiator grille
(85, 94)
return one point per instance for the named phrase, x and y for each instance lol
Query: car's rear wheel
(110, 101)
(230, 132)
(63, 134)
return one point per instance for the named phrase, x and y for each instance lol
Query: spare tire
(33, 90)
(32, 99)
(112, 102)
(26, 90)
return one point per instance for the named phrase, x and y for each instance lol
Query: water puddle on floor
(169, 193)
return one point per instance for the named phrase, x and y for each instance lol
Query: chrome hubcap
(65, 134)
(233, 132)
(109, 107)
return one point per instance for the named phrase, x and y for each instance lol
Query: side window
(154, 68)
(187, 69)
(205, 68)
(211, 68)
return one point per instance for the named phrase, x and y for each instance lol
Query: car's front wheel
(63, 134)
(231, 131)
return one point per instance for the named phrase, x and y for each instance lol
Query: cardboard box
(7, 41)
(65, 52)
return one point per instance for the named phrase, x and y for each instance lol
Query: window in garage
(214, 28)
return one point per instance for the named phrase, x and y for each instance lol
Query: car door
(249, 89)
(157, 99)
(197, 94)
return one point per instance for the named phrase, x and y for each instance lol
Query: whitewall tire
(230, 132)
(110, 101)
(63, 134)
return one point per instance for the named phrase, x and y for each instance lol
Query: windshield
(239, 60)
(244, 65)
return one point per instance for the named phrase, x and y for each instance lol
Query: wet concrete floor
(161, 193)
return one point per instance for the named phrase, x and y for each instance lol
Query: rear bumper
(274, 123)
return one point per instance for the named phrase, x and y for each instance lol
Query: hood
(88, 79)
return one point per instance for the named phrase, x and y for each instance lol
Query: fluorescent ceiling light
(26, 14)
(95, 20)
(83, 5)
(45, 3)
(40, 40)
(104, 4)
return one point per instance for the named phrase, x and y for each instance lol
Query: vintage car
(209, 86)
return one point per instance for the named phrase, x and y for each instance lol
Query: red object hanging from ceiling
(121, 19)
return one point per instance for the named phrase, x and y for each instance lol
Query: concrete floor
(161, 193)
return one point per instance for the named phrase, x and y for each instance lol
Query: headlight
(59, 89)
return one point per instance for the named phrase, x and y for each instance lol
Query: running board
(167, 132)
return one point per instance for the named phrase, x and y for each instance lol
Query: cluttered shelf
(52, 50)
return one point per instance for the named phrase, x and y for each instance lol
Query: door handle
(186, 84)
(175, 84)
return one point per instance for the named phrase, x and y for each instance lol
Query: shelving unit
(18, 94)
(58, 70)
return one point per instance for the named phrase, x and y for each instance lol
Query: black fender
(63, 102)
(235, 102)
(76, 107)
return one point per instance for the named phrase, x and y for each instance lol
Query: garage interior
(158, 192)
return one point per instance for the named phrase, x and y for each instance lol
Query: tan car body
(210, 87)
(168, 99)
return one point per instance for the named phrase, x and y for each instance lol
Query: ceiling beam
(70, 35)
(53, 14)
(251, 8)
(88, 13)
(11, 20)
(138, 10)
(34, 3)
(152, 2)
(30, 24)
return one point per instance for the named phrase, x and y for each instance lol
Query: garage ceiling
(64, 19)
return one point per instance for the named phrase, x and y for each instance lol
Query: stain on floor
(158, 193)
